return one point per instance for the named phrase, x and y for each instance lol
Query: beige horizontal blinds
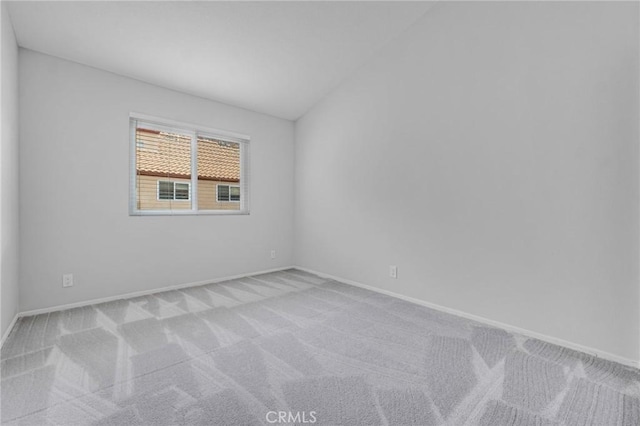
(163, 169)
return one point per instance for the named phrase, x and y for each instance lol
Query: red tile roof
(166, 154)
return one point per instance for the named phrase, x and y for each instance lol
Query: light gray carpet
(230, 353)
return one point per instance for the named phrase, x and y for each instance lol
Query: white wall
(74, 177)
(8, 174)
(491, 152)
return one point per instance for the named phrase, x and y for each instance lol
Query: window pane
(162, 158)
(165, 190)
(182, 191)
(218, 170)
(234, 193)
(166, 158)
(223, 193)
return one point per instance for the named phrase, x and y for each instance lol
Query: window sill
(189, 213)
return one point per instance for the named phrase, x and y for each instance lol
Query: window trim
(195, 131)
(174, 191)
(218, 185)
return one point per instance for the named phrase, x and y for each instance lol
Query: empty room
(332, 213)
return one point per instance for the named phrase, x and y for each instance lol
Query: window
(182, 169)
(228, 193)
(168, 190)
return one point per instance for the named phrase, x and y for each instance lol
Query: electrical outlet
(273, 254)
(393, 271)
(67, 280)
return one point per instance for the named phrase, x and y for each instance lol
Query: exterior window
(228, 193)
(168, 190)
(178, 169)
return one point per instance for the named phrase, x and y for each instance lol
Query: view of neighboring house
(163, 172)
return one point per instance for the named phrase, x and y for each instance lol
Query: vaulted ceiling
(278, 58)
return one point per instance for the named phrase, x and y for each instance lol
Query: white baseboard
(528, 333)
(514, 329)
(8, 330)
(143, 293)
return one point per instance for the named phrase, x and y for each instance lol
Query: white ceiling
(279, 58)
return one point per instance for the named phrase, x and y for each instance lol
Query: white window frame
(194, 131)
(229, 186)
(174, 190)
